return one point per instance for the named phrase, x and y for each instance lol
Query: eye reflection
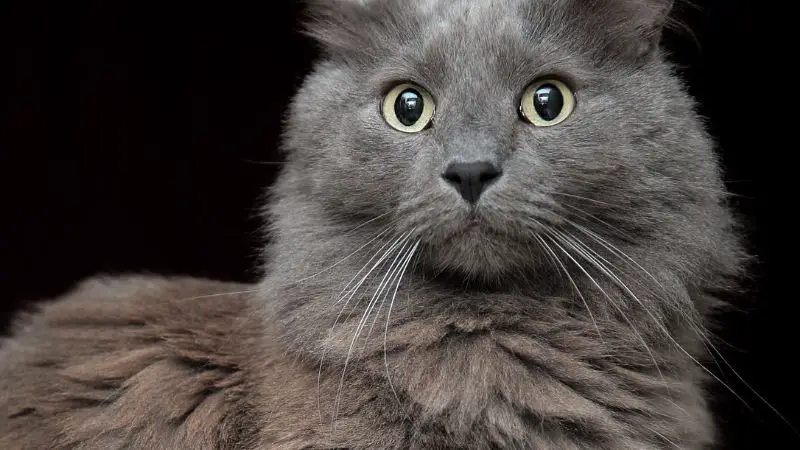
(408, 108)
(547, 103)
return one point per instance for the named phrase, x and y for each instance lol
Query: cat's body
(500, 271)
(170, 364)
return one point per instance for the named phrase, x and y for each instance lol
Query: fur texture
(566, 310)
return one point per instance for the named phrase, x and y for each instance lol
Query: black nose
(471, 179)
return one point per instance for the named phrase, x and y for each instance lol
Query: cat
(500, 224)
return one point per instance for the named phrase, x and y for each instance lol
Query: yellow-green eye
(408, 108)
(547, 102)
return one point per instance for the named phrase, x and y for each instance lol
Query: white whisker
(553, 239)
(620, 232)
(360, 326)
(388, 320)
(349, 294)
(574, 285)
(586, 199)
(396, 276)
(551, 256)
(345, 291)
(666, 439)
(332, 266)
(664, 330)
(221, 294)
(581, 248)
(747, 385)
(387, 280)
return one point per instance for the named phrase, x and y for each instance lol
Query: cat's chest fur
(156, 363)
(465, 376)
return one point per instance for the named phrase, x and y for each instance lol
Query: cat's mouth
(476, 249)
(494, 225)
(474, 222)
(485, 242)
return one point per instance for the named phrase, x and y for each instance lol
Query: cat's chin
(480, 253)
(479, 244)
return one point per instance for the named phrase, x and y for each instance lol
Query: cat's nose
(472, 178)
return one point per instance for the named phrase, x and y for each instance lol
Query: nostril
(471, 179)
(452, 177)
(489, 175)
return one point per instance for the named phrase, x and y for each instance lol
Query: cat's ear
(637, 25)
(650, 18)
(340, 27)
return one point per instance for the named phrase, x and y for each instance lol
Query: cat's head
(493, 129)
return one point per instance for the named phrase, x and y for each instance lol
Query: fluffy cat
(501, 224)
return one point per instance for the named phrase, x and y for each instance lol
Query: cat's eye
(408, 108)
(547, 102)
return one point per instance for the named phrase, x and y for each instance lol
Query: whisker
(552, 238)
(382, 263)
(221, 294)
(750, 388)
(620, 232)
(594, 257)
(392, 245)
(587, 199)
(387, 280)
(666, 332)
(574, 285)
(397, 275)
(363, 224)
(349, 294)
(388, 320)
(693, 185)
(358, 331)
(614, 250)
(666, 439)
(549, 254)
(584, 250)
(376, 237)
(263, 163)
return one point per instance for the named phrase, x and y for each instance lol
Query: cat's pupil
(409, 107)
(548, 101)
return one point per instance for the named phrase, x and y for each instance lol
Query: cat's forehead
(479, 21)
(462, 26)
(471, 14)
(502, 42)
(468, 10)
(496, 41)
(462, 16)
(435, 6)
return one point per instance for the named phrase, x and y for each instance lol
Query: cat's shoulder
(143, 362)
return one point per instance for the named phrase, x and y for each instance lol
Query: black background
(139, 138)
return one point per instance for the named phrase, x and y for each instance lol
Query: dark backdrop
(139, 138)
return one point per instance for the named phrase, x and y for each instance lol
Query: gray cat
(501, 224)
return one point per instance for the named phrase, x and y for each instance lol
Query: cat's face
(483, 127)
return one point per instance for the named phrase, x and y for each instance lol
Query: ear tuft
(359, 30)
(654, 16)
(327, 21)
(648, 19)
(634, 27)
(340, 27)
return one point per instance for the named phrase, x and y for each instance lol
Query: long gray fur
(568, 310)
(632, 165)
